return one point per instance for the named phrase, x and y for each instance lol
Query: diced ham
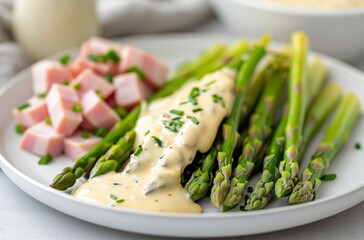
(111, 100)
(46, 73)
(60, 101)
(86, 125)
(36, 112)
(76, 146)
(96, 46)
(130, 90)
(155, 71)
(42, 139)
(97, 112)
(89, 80)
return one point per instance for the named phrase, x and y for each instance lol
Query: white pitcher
(45, 27)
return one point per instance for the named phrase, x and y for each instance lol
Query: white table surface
(22, 217)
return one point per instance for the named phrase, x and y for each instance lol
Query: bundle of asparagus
(258, 130)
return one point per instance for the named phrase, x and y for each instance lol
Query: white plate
(333, 197)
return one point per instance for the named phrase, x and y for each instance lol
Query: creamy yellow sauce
(169, 132)
(322, 4)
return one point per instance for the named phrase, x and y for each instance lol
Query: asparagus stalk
(115, 156)
(316, 116)
(67, 178)
(201, 180)
(335, 137)
(261, 123)
(296, 113)
(230, 127)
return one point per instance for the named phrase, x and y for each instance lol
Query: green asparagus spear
(115, 156)
(201, 180)
(316, 116)
(230, 127)
(335, 137)
(296, 113)
(261, 123)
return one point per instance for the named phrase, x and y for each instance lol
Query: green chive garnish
(42, 95)
(112, 55)
(210, 83)
(120, 200)
(116, 184)
(65, 59)
(100, 132)
(357, 146)
(85, 134)
(48, 121)
(193, 119)
(108, 77)
(218, 99)
(23, 106)
(197, 110)
(45, 159)
(66, 83)
(329, 177)
(174, 125)
(138, 150)
(77, 108)
(137, 71)
(177, 112)
(146, 133)
(158, 141)
(77, 86)
(19, 129)
(113, 197)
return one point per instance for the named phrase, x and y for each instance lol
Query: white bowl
(338, 33)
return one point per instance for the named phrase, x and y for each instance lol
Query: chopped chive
(108, 77)
(113, 197)
(77, 108)
(195, 92)
(138, 150)
(197, 110)
(65, 59)
(85, 134)
(183, 103)
(177, 112)
(357, 146)
(137, 71)
(157, 141)
(112, 55)
(193, 119)
(218, 99)
(77, 86)
(116, 184)
(121, 112)
(120, 200)
(42, 95)
(66, 83)
(193, 101)
(48, 121)
(23, 106)
(146, 133)
(100, 132)
(45, 159)
(19, 129)
(174, 125)
(176, 118)
(329, 177)
(210, 83)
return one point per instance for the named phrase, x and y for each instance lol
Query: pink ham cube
(130, 90)
(42, 139)
(86, 125)
(96, 46)
(89, 80)
(36, 112)
(60, 103)
(97, 112)
(46, 73)
(76, 146)
(155, 71)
